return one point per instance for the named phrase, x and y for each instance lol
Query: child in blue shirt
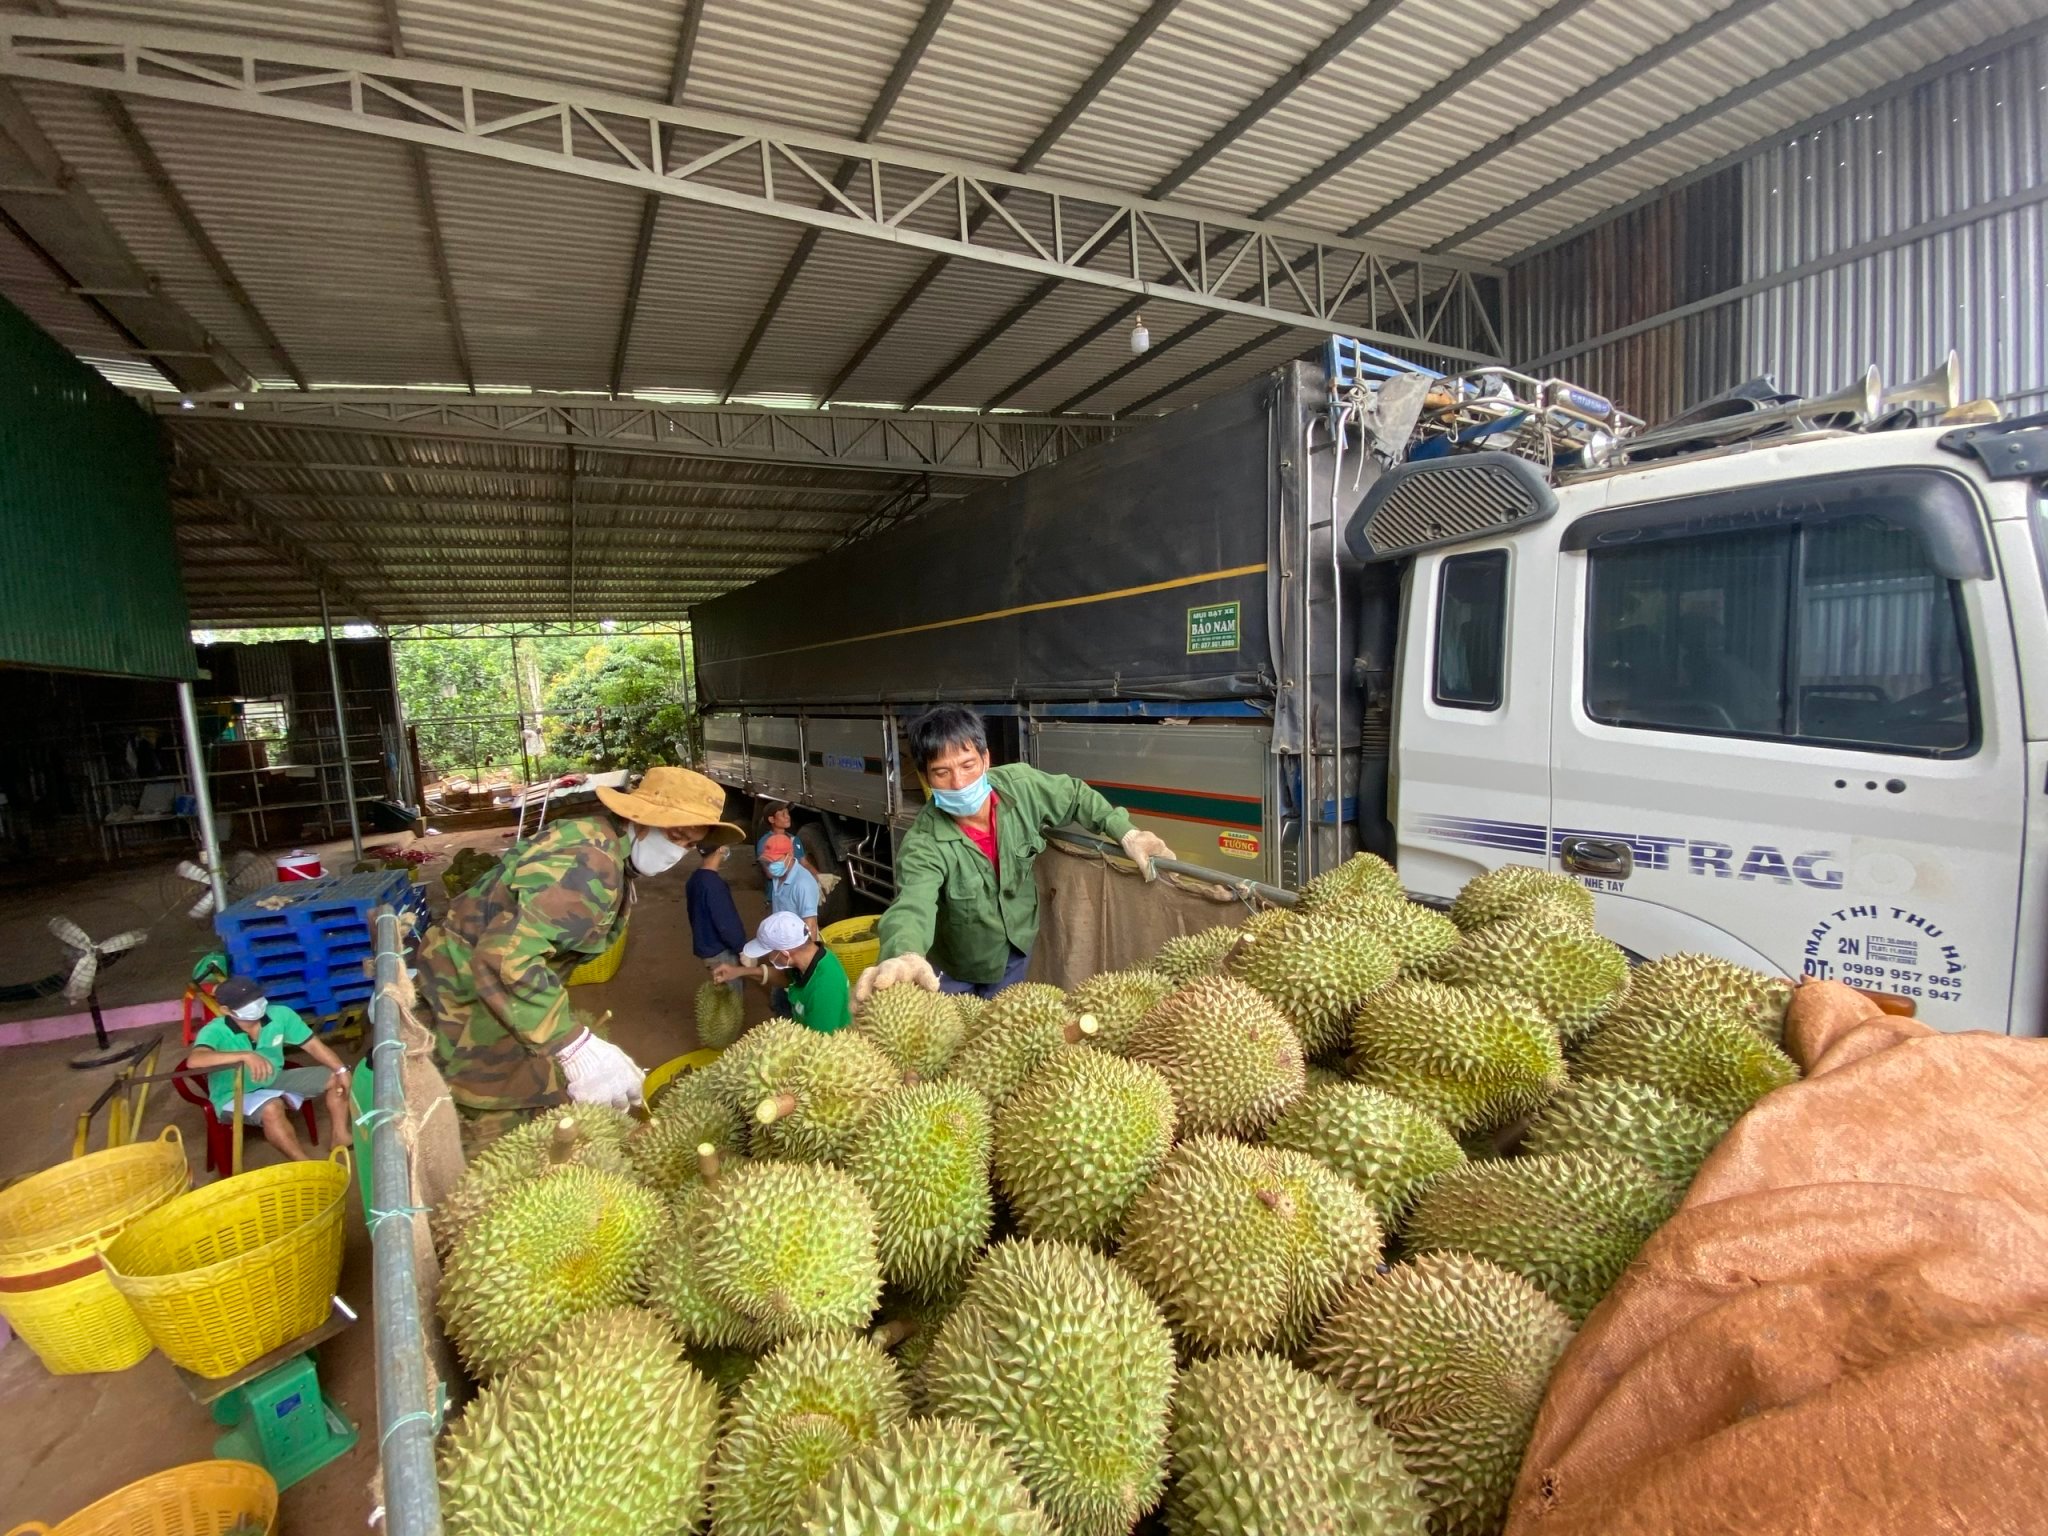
(248, 1041)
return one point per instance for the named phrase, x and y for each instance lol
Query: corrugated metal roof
(1328, 114)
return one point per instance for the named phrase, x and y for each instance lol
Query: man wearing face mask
(493, 971)
(966, 908)
(816, 981)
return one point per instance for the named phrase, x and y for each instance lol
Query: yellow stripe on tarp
(1011, 613)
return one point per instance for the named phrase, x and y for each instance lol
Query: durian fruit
(1473, 1057)
(1613, 1117)
(1681, 988)
(907, 1327)
(1317, 971)
(581, 1135)
(1363, 874)
(675, 1282)
(917, 1030)
(721, 1014)
(1080, 1139)
(1571, 973)
(1246, 1247)
(754, 1066)
(725, 1369)
(1716, 1064)
(805, 1408)
(1384, 1145)
(598, 1427)
(1232, 1059)
(1190, 955)
(1059, 1357)
(789, 1246)
(817, 1106)
(1416, 934)
(1450, 1355)
(663, 1151)
(1023, 1026)
(925, 1478)
(1260, 1446)
(922, 1158)
(1116, 1000)
(570, 1241)
(1569, 1223)
(1321, 1076)
(1509, 890)
(973, 1012)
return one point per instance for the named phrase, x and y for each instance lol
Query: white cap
(779, 930)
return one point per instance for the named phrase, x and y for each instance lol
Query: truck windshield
(1837, 632)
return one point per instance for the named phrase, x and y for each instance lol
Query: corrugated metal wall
(1915, 225)
(1961, 143)
(88, 570)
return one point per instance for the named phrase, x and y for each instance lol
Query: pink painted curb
(66, 1026)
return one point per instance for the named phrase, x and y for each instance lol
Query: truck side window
(1471, 630)
(1836, 632)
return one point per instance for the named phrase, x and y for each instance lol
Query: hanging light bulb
(1141, 339)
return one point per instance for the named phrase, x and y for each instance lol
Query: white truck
(1783, 700)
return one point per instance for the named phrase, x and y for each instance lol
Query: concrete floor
(72, 1439)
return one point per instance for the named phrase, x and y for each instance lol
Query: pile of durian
(1282, 1234)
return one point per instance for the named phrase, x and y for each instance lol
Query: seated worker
(791, 887)
(818, 995)
(966, 908)
(249, 1041)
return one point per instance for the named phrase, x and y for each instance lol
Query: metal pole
(1237, 885)
(202, 796)
(348, 772)
(408, 1419)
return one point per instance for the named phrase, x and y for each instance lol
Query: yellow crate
(224, 1275)
(673, 1068)
(202, 1498)
(600, 967)
(856, 941)
(53, 1290)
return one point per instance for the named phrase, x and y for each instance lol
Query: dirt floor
(72, 1439)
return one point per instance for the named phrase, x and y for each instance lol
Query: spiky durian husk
(925, 1478)
(1571, 973)
(1505, 892)
(917, 1030)
(1260, 1446)
(1317, 971)
(1080, 1139)
(1417, 935)
(601, 1427)
(1386, 1146)
(1680, 989)
(1615, 1117)
(819, 1104)
(1190, 955)
(1568, 1223)
(581, 1135)
(1473, 1057)
(1363, 874)
(1246, 1247)
(1231, 1058)
(675, 1286)
(720, 1015)
(1716, 1064)
(1450, 1355)
(571, 1241)
(1023, 1026)
(973, 1012)
(1116, 1000)
(755, 1065)
(663, 1151)
(789, 1246)
(923, 1160)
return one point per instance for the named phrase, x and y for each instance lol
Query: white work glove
(600, 1073)
(1141, 848)
(827, 884)
(912, 969)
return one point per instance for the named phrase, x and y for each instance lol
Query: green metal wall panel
(88, 566)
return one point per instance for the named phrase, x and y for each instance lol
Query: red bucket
(299, 865)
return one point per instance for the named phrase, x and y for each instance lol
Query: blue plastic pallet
(307, 941)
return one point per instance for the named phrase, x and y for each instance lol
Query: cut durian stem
(894, 1332)
(708, 1162)
(1083, 1028)
(777, 1106)
(562, 1145)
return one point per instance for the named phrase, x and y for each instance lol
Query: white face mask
(654, 852)
(249, 1013)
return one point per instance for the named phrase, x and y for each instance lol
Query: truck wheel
(818, 845)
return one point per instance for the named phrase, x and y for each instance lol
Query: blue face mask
(779, 868)
(963, 802)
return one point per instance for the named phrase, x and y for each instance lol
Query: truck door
(1787, 731)
(1471, 775)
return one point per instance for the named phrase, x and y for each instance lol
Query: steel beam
(1160, 251)
(430, 215)
(468, 468)
(650, 206)
(242, 513)
(952, 443)
(1862, 37)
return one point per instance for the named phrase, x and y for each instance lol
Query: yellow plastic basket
(202, 1498)
(224, 1275)
(673, 1068)
(53, 1291)
(600, 967)
(856, 941)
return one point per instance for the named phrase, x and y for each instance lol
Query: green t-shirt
(822, 1000)
(280, 1027)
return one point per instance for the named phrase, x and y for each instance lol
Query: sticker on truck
(1238, 845)
(1886, 948)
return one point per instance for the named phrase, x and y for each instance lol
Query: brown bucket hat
(675, 797)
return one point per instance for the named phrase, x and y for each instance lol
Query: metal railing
(408, 1412)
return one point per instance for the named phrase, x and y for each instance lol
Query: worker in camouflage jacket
(493, 972)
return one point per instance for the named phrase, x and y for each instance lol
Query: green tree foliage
(620, 706)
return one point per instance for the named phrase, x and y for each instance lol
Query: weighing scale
(275, 1413)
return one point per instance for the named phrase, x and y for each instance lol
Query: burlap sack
(1096, 915)
(1844, 1328)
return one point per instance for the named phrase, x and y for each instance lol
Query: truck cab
(1783, 704)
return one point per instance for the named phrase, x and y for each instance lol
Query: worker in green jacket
(966, 908)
